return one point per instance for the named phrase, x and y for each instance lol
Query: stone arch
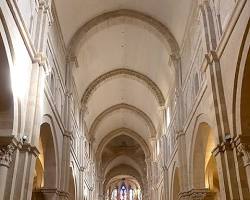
(175, 184)
(127, 73)
(115, 161)
(116, 107)
(6, 96)
(49, 156)
(123, 170)
(241, 108)
(47, 163)
(81, 34)
(9, 106)
(123, 131)
(203, 167)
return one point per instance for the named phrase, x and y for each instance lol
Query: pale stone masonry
(125, 100)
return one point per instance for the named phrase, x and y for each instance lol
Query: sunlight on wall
(20, 74)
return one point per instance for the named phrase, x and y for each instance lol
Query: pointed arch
(123, 131)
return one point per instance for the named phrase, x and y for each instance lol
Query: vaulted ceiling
(124, 51)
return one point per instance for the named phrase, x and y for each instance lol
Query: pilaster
(182, 160)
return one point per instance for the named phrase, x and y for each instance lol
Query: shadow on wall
(205, 174)
(45, 171)
(6, 98)
(245, 98)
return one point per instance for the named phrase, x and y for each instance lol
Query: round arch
(241, 98)
(123, 170)
(6, 96)
(119, 160)
(123, 131)
(203, 166)
(240, 106)
(46, 169)
(10, 106)
(116, 107)
(127, 73)
(81, 34)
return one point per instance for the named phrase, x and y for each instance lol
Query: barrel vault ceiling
(123, 50)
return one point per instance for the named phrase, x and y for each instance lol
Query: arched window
(123, 192)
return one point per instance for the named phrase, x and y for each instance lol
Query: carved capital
(6, 153)
(242, 144)
(244, 151)
(197, 194)
(227, 145)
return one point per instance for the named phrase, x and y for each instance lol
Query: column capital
(199, 194)
(242, 144)
(227, 145)
(6, 153)
(244, 151)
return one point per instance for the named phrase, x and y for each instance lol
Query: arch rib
(123, 72)
(81, 33)
(116, 107)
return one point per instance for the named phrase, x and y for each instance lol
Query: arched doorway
(6, 97)
(176, 185)
(45, 171)
(205, 174)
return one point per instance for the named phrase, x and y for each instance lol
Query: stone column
(149, 178)
(165, 183)
(110, 192)
(100, 188)
(219, 154)
(164, 166)
(182, 159)
(229, 188)
(5, 161)
(65, 169)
